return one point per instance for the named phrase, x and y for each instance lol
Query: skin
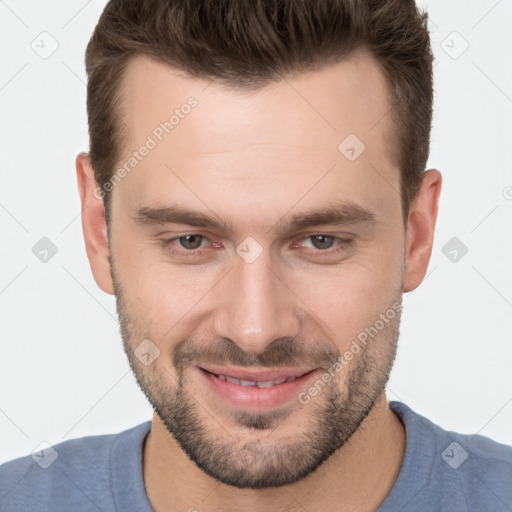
(253, 159)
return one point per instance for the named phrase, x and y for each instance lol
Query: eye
(324, 243)
(190, 242)
(195, 244)
(321, 241)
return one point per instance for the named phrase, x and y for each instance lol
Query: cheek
(349, 298)
(164, 300)
(162, 294)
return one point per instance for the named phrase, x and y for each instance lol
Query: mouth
(264, 378)
(253, 389)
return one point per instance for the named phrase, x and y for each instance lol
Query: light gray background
(63, 372)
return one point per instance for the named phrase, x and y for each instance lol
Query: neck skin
(357, 477)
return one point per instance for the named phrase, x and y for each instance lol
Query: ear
(420, 229)
(94, 223)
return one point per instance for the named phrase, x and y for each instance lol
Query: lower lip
(254, 398)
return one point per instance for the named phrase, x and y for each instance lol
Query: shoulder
(461, 471)
(480, 469)
(74, 473)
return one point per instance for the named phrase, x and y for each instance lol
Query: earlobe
(94, 223)
(420, 230)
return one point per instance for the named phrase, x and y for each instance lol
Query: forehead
(349, 96)
(299, 126)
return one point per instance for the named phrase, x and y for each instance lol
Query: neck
(356, 477)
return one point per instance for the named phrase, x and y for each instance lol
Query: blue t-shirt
(441, 471)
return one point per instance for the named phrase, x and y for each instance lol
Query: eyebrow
(344, 213)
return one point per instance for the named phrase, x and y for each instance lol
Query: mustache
(285, 351)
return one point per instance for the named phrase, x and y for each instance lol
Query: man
(256, 198)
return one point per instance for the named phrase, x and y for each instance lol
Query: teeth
(267, 384)
(254, 383)
(248, 383)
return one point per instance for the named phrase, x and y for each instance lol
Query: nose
(255, 306)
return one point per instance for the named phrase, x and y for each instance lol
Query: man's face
(257, 297)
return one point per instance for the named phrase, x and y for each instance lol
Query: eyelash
(342, 244)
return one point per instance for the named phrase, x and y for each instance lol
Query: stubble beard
(259, 463)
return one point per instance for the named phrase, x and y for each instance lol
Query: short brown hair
(248, 43)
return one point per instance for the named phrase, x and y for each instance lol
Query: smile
(255, 389)
(255, 383)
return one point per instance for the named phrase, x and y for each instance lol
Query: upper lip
(262, 375)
